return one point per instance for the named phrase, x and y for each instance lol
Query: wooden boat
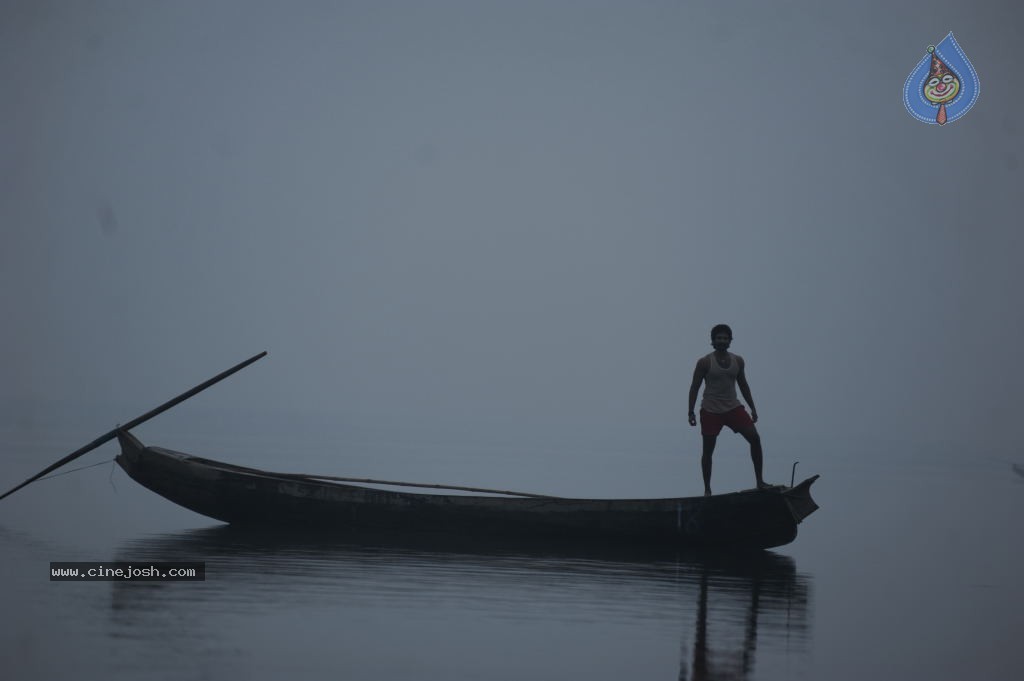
(247, 496)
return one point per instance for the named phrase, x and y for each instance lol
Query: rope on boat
(75, 470)
(302, 476)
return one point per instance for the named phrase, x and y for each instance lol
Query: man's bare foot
(707, 493)
(764, 485)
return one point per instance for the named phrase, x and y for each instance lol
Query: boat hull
(245, 496)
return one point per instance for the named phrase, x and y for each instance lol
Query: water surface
(909, 570)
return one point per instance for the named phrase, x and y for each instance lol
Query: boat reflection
(726, 602)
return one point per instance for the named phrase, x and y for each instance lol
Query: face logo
(943, 86)
(941, 89)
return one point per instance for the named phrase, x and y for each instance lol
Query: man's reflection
(732, 597)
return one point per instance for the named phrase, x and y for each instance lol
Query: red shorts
(711, 424)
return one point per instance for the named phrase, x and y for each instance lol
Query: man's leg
(705, 461)
(751, 435)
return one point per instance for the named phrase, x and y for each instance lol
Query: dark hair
(720, 328)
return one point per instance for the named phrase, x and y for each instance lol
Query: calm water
(911, 569)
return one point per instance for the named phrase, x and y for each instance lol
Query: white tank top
(720, 385)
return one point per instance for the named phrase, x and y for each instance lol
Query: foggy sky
(510, 215)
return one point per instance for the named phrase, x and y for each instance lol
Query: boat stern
(131, 450)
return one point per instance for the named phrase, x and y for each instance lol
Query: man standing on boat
(721, 371)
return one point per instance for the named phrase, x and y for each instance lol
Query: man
(721, 371)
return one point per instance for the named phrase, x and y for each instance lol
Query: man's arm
(741, 381)
(699, 372)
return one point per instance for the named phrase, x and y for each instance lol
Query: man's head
(721, 336)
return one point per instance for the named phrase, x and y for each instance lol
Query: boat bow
(799, 500)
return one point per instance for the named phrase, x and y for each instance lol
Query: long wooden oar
(304, 476)
(107, 437)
